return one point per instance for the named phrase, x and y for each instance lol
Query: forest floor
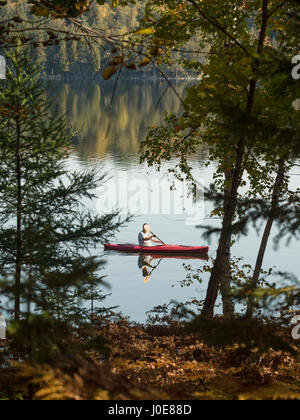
(156, 362)
(164, 365)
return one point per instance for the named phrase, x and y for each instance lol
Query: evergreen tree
(46, 232)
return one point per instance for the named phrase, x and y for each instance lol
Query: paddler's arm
(156, 240)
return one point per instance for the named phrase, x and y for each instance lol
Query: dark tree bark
(266, 235)
(19, 224)
(220, 276)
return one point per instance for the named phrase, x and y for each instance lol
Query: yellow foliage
(40, 10)
(145, 62)
(274, 392)
(109, 72)
(145, 31)
(116, 61)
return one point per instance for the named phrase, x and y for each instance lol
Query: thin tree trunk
(19, 225)
(220, 275)
(221, 271)
(29, 300)
(266, 235)
(228, 305)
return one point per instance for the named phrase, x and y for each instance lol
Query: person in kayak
(146, 237)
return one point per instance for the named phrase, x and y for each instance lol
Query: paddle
(158, 238)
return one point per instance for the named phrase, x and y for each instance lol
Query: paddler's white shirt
(144, 239)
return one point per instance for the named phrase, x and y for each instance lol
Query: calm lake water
(146, 192)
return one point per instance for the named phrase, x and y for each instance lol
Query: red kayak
(160, 249)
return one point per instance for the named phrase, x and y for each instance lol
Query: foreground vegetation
(163, 361)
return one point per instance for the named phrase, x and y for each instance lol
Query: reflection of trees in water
(134, 109)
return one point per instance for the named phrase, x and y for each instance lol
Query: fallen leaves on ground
(157, 362)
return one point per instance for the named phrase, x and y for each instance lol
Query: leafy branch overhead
(68, 8)
(42, 17)
(44, 24)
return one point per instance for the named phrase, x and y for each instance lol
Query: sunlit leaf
(116, 61)
(145, 31)
(109, 72)
(145, 62)
(40, 11)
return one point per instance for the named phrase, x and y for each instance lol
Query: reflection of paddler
(144, 263)
(2, 327)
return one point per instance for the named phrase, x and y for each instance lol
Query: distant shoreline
(69, 76)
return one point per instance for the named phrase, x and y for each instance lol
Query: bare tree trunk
(220, 275)
(228, 305)
(266, 235)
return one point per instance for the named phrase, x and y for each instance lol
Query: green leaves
(115, 3)
(60, 8)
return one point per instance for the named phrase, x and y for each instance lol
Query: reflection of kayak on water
(146, 262)
(148, 252)
(180, 256)
(160, 249)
